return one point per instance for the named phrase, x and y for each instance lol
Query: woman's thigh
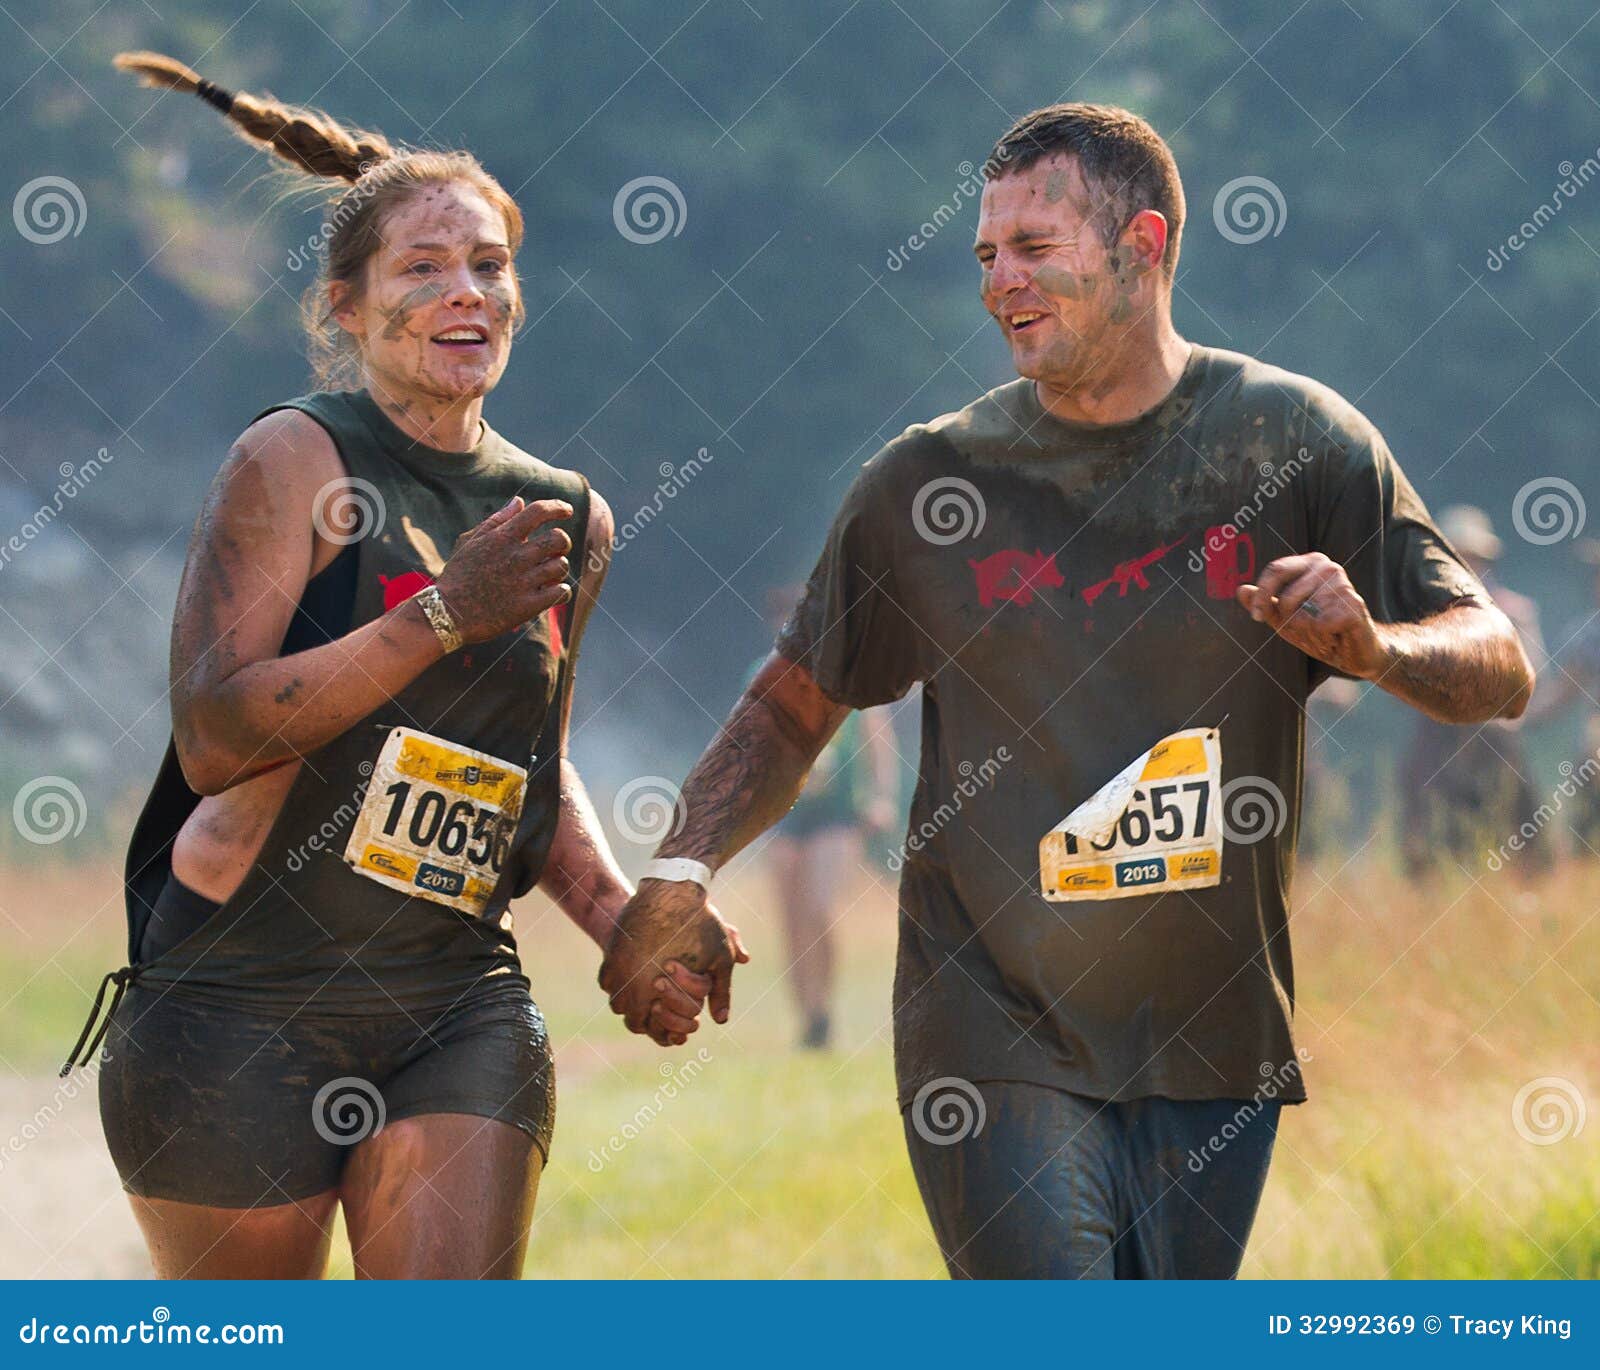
(441, 1196)
(196, 1242)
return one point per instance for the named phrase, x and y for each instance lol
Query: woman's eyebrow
(446, 247)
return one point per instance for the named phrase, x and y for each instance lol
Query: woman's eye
(492, 267)
(420, 268)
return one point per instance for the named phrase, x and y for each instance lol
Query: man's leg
(1196, 1174)
(1031, 1194)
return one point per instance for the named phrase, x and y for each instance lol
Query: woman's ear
(342, 308)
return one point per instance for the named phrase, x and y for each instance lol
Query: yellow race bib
(437, 821)
(1154, 826)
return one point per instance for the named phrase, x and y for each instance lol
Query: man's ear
(1144, 240)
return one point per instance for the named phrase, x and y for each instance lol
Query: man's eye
(494, 268)
(420, 268)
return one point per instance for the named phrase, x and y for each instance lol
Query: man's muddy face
(1056, 290)
(438, 310)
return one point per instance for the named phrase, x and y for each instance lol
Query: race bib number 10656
(1154, 826)
(437, 820)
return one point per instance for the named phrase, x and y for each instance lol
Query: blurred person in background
(1464, 789)
(850, 797)
(1574, 681)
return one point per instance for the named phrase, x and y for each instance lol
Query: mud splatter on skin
(288, 692)
(1056, 185)
(1069, 285)
(1126, 272)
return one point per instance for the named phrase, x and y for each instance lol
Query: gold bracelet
(439, 619)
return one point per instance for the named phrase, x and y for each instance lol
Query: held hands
(505, 572)
(1308, 601)
(668, 953)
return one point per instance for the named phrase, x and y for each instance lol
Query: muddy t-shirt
(1065, 595)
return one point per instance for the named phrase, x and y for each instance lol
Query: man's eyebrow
(1021, 235)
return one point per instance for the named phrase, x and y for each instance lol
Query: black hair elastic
(215, 96)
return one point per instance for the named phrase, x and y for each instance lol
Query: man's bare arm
(1464, 665)
(756, 766)
(747, 779)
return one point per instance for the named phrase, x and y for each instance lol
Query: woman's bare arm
(238, 707)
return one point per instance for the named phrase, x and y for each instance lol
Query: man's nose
(1004, 276)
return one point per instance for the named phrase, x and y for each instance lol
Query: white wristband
(678, 868)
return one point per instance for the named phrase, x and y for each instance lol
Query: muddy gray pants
(1056, 1186)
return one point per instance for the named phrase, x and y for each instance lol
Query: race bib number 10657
(437, 820)
(1154, 826)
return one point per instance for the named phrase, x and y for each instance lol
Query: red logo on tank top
(398, 589)
(1014, 575)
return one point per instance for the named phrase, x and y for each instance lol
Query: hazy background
(148, 308)
(807, 142)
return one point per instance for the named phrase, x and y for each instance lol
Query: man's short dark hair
(1126, 164)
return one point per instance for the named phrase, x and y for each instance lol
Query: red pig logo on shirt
(1014, 575)
(398, 589)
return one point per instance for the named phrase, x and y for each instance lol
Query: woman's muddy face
(436, 316)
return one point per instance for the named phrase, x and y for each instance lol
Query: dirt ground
(62, 1212)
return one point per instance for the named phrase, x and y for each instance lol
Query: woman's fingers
(671, 995)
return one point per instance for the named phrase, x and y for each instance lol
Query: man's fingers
(1298, 593)
(721, 990)
(1284, 570)
(740, 955)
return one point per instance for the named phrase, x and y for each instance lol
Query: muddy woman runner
(372, 670)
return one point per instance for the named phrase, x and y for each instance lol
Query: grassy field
(1424, 1014)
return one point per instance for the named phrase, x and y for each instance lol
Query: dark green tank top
(306, 930)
